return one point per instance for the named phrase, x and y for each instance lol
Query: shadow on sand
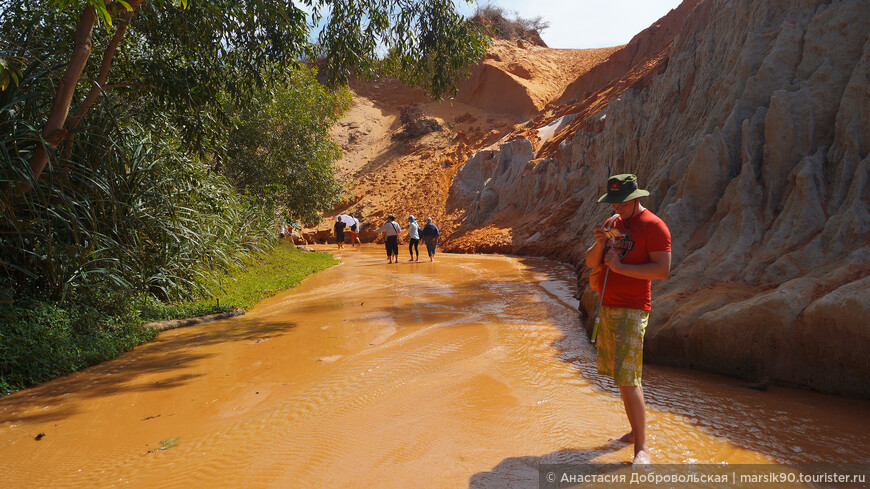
(167, 352)
(525, 472)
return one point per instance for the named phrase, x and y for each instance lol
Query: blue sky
(584, 23)
(576, 24)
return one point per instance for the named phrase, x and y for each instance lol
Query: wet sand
(467, 372)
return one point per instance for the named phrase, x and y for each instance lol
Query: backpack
(353, 227)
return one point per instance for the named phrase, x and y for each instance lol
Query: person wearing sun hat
(413, 238)
(430, 235)
(391, 230)
(635, 246)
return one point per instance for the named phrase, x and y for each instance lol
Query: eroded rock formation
(749, 122)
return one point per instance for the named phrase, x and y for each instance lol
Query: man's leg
(620, 354)
(635, 408)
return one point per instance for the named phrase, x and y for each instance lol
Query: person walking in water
(639, 254)
(339, 232)
(430, 235)
(354, 231)
(414, 241)
(391, 230)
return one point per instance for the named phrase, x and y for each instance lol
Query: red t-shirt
(644, 234)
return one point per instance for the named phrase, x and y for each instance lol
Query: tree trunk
(53, 132)
(99, 84)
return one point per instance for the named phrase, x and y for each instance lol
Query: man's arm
(595, 254)
(658, 268)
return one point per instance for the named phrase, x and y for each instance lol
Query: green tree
(179, 55)
(279, 150)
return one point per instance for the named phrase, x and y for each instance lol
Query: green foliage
(40, 341)
(185, 63)
(150, 310)
(124, 213)
(428, 43)
(279, 149)
(261, 276)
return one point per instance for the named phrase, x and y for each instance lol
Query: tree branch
(98, 87)
(53, 131)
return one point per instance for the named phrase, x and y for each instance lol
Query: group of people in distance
(429, 235)
(289, 230)
(632, 248)
(342, 223)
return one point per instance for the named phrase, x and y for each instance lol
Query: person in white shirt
(354, 231)
(391, 230)
(414, 235)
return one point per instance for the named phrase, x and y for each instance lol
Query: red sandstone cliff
(749, 122)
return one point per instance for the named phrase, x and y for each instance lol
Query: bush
(415, 124)
(123, 214)
(495, 22)
(40, 341)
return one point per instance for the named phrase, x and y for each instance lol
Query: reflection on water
(470, 371)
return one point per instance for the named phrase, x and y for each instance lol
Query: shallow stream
(466, 372)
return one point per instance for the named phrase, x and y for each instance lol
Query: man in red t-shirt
(635, 245)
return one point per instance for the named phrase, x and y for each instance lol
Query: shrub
(40, 341)
(415, 124)
(495, 22)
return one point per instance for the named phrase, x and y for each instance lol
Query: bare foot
(642, 458)
(626, 438)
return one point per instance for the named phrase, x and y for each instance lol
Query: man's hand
(600, 236)
(611, 259)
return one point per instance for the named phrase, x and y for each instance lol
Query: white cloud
(585, 23)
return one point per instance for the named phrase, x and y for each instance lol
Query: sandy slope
(414, 176)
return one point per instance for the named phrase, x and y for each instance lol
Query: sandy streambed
(469, 371)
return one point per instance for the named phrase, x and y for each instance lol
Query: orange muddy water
(466, 372)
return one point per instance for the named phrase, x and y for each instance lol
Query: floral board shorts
(620, 344)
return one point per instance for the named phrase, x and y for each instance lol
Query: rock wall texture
(749, 123)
